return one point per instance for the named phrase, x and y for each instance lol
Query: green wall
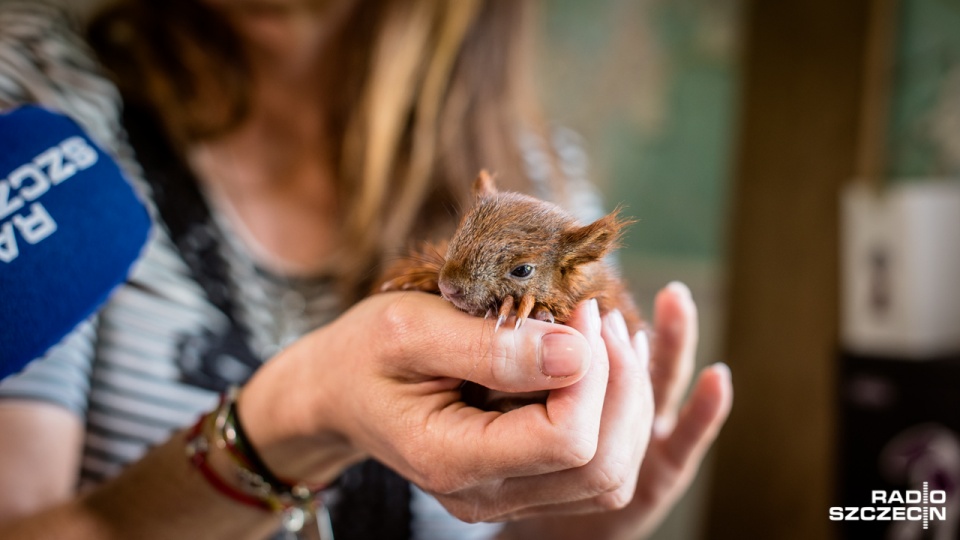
(924, 134)
(652, 87)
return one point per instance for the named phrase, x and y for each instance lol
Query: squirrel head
(513, 244)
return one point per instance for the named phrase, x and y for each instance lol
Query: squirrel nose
(449, 291)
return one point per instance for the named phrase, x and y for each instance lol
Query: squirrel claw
(541, 313)
(523, 310)
(505, 309)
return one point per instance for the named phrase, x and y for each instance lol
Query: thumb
(450, 343)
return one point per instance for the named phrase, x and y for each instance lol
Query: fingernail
(618, 325)
(681, 289)
(559, 355)
(594, 316)
(641, 344)
(663, 425)
(723, 369)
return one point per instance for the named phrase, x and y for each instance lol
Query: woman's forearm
(160, 496)
(167, 494)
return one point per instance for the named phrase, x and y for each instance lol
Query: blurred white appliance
(900, 269)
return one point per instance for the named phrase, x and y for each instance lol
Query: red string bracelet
(234, 439)
(197, 450)
(295, 502)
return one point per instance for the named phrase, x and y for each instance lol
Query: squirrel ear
(591, 242)
(484, 186)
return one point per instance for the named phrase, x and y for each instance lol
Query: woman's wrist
(283, 417)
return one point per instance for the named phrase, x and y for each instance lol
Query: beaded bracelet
(295, 502)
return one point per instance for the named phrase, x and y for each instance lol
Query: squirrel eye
(522, 271)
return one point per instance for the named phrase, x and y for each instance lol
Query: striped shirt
(131, 371)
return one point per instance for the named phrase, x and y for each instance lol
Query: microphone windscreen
(71, 227)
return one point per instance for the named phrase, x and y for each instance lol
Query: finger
(674, 350)
(532, 440)
(432, 339)
(583, 401)
(671, 463)
(609, 480)
(701, 418)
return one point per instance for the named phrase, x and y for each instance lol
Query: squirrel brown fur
(516, 254)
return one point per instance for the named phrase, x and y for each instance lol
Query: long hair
(426, 93)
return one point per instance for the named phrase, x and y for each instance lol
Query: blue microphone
(71, 227)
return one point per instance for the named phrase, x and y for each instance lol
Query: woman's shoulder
(44, 59)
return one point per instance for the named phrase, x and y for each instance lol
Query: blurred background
(797, 163)
(652, 86)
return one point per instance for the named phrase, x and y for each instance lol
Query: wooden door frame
(800, 113)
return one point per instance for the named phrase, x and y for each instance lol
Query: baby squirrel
(513, 254)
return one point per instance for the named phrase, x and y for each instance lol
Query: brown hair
(427, 93)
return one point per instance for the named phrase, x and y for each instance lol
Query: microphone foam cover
(71, 227)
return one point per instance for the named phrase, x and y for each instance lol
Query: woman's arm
(382, 380)
(158, 497)
(45, 442)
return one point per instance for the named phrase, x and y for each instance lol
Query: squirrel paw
(527, 307)
(523, 310)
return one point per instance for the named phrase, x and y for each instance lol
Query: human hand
(682, 435)
(680, 438)
(383, 380)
